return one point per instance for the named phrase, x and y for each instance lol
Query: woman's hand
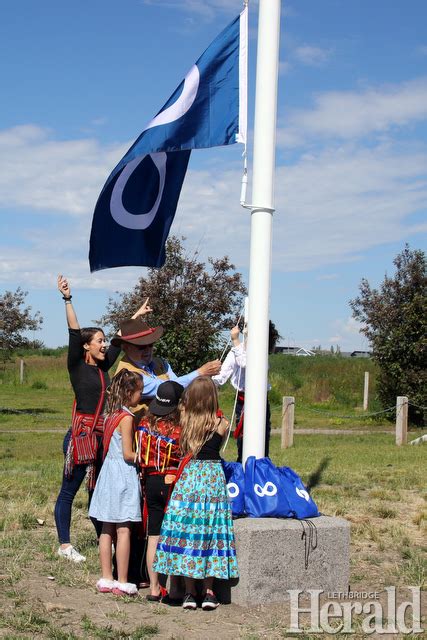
(64, 287)
(143, 310)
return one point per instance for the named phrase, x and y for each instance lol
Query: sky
(81, 79)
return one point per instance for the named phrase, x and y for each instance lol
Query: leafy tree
(273, 336)
(15, 319)
(395, 322)
(194, 303)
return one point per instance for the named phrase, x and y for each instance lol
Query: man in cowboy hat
(137, 339)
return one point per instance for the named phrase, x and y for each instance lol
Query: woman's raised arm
(64, 288)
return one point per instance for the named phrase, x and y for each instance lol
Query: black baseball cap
(167, 398)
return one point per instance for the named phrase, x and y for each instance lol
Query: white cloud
(207, 9)
(328, 276)
(348, 334)
(39, 172)
(284, 67)
(351, 114)
(311, 56)
(331, 206)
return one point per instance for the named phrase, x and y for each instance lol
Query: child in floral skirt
(196, 537)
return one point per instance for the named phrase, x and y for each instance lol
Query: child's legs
(207, 585)
(156, 495)
(153, 575)
(190, 586)
(105, 542)
(123, 550)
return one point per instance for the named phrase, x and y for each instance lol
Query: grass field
(378, 487)
(328, 392)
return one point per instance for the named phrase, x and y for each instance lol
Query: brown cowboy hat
(137, 332)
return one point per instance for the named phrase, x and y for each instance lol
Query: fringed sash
(83, 445)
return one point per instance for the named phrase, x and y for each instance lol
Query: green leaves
(193, 301)
(395, 322)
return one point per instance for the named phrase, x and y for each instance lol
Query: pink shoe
(105, 586)
(124, 589)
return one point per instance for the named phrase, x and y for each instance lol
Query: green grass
(378, 487)
(326, 389)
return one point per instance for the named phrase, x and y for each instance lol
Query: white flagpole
(262, 209)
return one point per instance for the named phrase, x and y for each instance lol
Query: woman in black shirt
(88, 363)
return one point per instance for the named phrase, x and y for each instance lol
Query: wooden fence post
(401, 420)
(366, 392)
(288, 414)
(21, 371)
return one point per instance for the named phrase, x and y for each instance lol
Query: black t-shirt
(84, 377)
(210, 450)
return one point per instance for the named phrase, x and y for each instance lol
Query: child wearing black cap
(159, 456)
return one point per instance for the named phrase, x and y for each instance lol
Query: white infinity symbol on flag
(302, 493)
(269, 489)
(182, 104)
(118, 212)
(141, 221)
(233, 490)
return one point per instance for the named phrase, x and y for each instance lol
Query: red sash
(110, 425)
(83, 445)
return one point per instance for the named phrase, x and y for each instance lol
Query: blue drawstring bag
(275, 492)
(300, 501)
(235, 478)
(264, 497)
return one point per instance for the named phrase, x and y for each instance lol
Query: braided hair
(124, 384)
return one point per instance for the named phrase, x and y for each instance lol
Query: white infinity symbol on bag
(269, 489)
(233, 490)
(302, 494)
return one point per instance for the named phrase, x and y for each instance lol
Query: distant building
(294, 351)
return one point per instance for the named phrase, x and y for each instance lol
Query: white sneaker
(71, 554)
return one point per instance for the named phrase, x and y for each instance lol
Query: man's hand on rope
(210, 368)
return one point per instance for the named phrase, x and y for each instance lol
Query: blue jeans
(68, 491)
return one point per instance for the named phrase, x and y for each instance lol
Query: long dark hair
(121, 389)
(87, 333)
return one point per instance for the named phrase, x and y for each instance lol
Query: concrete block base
(275, 555)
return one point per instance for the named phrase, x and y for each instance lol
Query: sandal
(163, 594)
(152, 598)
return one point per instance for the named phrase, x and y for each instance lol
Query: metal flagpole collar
(254, 207)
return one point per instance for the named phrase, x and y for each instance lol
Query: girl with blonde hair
(197, 539)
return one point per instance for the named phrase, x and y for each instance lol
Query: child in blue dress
(116, 501)
(196, 538)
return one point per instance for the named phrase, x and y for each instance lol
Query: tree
(395, 323)
(194, 302)
(15, 320)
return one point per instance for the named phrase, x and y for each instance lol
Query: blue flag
(137, 205)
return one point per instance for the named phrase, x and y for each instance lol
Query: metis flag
(137, 205)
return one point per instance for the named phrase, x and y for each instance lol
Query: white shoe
(71, 554)
(125, 589)
(105, 586)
